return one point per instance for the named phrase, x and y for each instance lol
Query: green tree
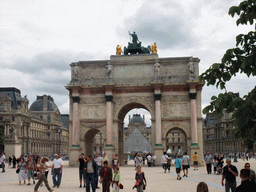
(241, 59)
(2, 138)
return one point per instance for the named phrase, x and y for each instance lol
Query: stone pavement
(156, 179)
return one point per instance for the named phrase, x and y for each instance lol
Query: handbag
(35, 174)
(121, 186)
(137, 183)
(17, 170)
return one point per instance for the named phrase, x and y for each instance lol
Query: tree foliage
(241, 59)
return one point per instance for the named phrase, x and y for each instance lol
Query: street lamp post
(59, 133)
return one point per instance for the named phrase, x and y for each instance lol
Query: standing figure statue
(134, 38)
(75, 71)
(191, 69)
(118, 50)
(153, 48)
(157, 67)
(109, 69)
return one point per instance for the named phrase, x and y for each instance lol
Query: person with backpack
(185, 164)
(177, 163)
(164, 161)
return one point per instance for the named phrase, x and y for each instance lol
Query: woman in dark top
(140, 177)
(220, 161)
(14, 161)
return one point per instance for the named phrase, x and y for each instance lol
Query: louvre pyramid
(136, 142)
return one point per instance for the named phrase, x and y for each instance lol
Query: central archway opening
(134, 131)
(176, 141)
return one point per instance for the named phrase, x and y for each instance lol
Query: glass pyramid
(136, 142)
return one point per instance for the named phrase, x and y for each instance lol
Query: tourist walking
(10, 161)
(81, 159)
(31, 167)
(91, 170)
(185, 164)
(23, 172)
(154, 160)
(246, 184)
(106, 177)
(195, 160)
(115, 162)
(2, 161)
(57, 169)
(149, 160)
(164, 160)
(38, 164)
(14, 161)
(42, 178)
(169, 163)
(229, 174)
(140, 178)
(215, 165)
(116, 180)
(208, 161)
(104, 158)
(48, 166)
(177, 163)
(137, 160)
(252, 173)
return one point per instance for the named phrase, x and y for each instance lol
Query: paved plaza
(156, 179)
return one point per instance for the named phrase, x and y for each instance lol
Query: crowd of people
(99, 169)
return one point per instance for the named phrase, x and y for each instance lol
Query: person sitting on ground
(246, 184)
(202, 187)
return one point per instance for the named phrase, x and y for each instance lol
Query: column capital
(76, 99)
(192, 95)
(109, 98)
(158, 97)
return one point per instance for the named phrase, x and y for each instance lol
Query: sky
(39, 39)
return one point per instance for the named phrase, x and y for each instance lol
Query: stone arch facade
(101, 96)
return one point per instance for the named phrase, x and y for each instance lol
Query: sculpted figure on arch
(153, 48)
(118, 50)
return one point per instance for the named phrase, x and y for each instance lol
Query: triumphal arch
(102, 92)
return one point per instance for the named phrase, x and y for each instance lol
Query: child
(177, 163)
(116, 180)
(215, 163)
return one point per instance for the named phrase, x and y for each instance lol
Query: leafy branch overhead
(241, 59)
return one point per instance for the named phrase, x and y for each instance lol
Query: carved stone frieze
(175, 98)
(93, 112)
(175, 109)
(92, 100)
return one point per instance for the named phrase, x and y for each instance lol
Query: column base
(109, 150)
(159, 146)
(75, 151)
(109, 147)
(158, 151)
(75, 147)
(194, 145)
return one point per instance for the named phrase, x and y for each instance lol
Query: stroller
(219, 170)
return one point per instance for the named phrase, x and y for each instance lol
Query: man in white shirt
(2, 161)
(149, 159)
(57, 168)
(164, 161)
(154, 160)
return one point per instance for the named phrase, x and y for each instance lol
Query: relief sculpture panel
(93, 112)
(175, 98)
(175, 110)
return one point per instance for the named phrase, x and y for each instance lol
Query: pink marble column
(75, 121)
(109, 120)
(193, 119)
(109, 123)
(158, 119)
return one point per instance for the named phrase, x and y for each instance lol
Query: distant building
(217, 134)
(38, 129)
